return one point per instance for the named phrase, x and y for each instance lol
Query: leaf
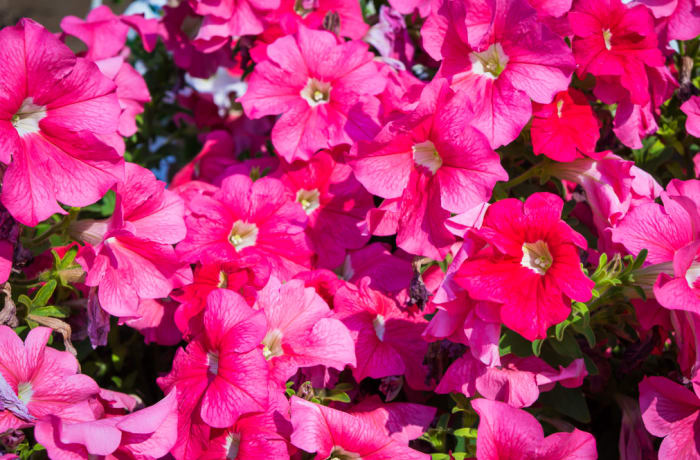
(568, 346)
(55, 311)
(512, 342)
(44, 294)
(340, 396)
(567, 401)
(466, 432)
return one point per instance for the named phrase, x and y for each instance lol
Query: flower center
(309, 199)
(338, 453)
(490, 62)
(243, 235)
(607, 36)
(560, 104)
(693, 275)
(25, 392)
(233, 443)
(316, 92)
(536, 257)
(272, 344)
(425, 154)
(26, 120)
(213, 362)
(379, 324)
(304, 7)
(223, 280)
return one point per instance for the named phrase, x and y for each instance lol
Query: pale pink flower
(130, 255)
(231, 18)
(147, 433)
(670, 411)
(323, 88)
(434, 163)
(58, 124)
(44, 380)
(506, 433)
(387, 340)
(332, 433)
(301, 330)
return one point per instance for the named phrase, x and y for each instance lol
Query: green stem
(534, 171)
(58, 227)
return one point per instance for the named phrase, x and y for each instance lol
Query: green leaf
(560, 328)
(340, 396)
(512, 342)
(466, 432)
(537, 346)
(54, 311)
(567, 401)
(44, 294)
(567, 347)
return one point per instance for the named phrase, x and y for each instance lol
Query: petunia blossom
(130, 256)
(387, 340)
(670, 411)
(301, 330)
(43, 380)
(58, 124)
(531, 264)
(336, 204)
(501, 56)
(566, 128)
(245, 218)
(691, 108)
(506, 433)
(323, 88)
(332, 433)
(433, 163)
(222, 374)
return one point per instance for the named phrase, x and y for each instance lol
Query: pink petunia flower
(222, 374)
(147, 433)
(336, 204)
(566, 129)
(253, 437)
(531, 264)
(691, 108)
(679, 19)
(434, 163)
(42, 381)
(130, 255)
(230, 18)
(245, 275)
(301, 330)
(58, 122)
(323, 88)
(388, 341)
(670, 411)
(506, 433)
(517, 382)
(245, 218)
(387, 272)
(613, 40)
(332, 433)
(508, 59)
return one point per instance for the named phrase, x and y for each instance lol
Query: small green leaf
(54, 311)
(466, 432)
(44, 294)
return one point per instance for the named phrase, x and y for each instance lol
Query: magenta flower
(332, 433)
(42, 381)
(615, 41)
(509, 59)
(222, 374)
(246, 218)
(531, 265)
(301, 330)
(387, 340)
(336, 204)
(58, 124)
(253, 437)
(434, 164)
(323, 88)
(566, 128)
(130, 256)
(387, 272)
(670, 411)
(506, 433)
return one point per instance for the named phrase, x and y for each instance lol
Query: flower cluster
(245, 229)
